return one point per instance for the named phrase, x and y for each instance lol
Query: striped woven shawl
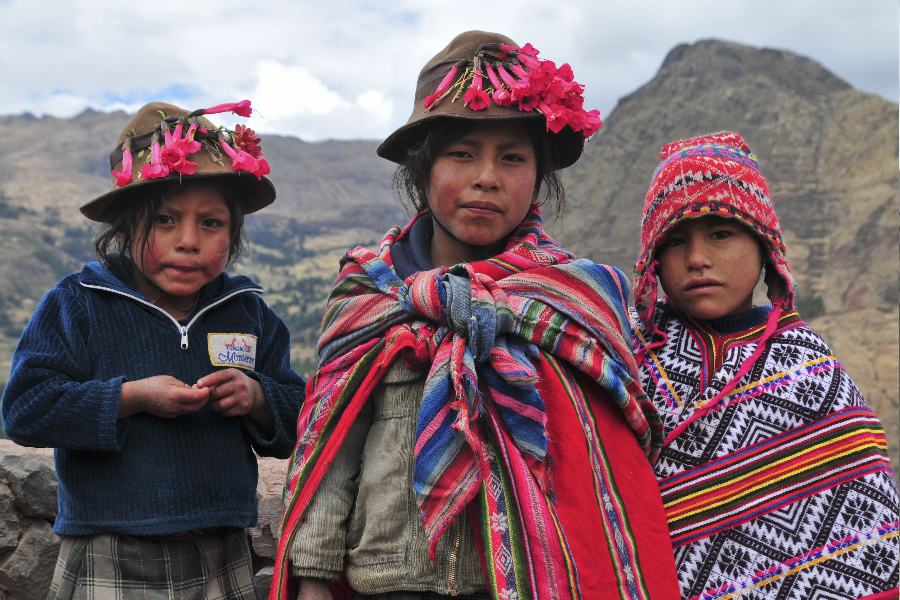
(505, 341)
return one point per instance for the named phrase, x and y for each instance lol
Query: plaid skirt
(113, 566)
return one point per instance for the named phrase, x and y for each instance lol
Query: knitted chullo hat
(717, 175)
(487, 76)
(164, 143)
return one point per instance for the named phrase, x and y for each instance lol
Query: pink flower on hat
(155, 169)
(261, 168)
(241, 160)
(500, 96)
(528, 60)
(444, 85)
(177, 149)
(124, 177)
(175, 158)
(543, 77)
(556, 118)
(593, 122)
(518, 77)
(241, 109)
(529, 49)
(475, 97)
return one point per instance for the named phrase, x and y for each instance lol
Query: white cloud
(291, 99)
(347, 68)
(377, 104)
(287, 91)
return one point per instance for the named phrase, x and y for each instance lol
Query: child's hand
(234, 394)
(162, 396)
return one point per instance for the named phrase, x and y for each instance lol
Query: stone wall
(28, 507)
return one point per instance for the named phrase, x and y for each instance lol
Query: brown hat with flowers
(164, 143)
(483, 75)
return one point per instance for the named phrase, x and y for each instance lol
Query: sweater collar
(116, 279)
(742, 321)
(410, 252)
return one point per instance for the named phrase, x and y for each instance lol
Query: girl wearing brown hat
(475, 428)
(156, 376)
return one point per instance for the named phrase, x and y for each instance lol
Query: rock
(263, 581)
(264, 537)
(27, 571)
(9, 520)
(32, 479)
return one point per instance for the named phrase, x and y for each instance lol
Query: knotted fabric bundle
(486, 331)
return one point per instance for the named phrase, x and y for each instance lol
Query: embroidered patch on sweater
(232, 350)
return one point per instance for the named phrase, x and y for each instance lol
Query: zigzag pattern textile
(488, 333)
(782, 490)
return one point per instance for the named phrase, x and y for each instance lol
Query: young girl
(475, 428)
(156, 376)
(774, 474)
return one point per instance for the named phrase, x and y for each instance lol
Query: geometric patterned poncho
(782, 489)
(531, 414)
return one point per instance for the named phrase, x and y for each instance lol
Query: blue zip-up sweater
(145, 475)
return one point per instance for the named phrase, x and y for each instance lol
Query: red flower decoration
(124, 176)
(177, 161)
(443, 86)
(477, 99)
(241, 108)
(529, 49)
(262, 167)
(527, 99)
(177, 149)
(155, 169)
(518, 77)
(247, 140)
(242, 161)
(179, 145)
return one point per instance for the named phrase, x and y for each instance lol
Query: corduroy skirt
(209, 566)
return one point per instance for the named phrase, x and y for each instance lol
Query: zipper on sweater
(451, 580)
(182, 329)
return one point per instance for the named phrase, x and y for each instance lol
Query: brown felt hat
(464, 47)
(210, 159)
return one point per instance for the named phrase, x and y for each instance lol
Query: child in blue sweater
(157, 377)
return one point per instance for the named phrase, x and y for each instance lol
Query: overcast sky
(346, 69)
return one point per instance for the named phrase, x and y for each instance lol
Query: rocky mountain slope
(829, 153)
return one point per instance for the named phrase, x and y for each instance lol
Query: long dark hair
(128, 231)
(413, 176)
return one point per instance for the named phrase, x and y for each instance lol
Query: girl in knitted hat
(475, 428)
(156, 376)
(774, 472)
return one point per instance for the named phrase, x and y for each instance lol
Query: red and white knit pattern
(708, 175)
